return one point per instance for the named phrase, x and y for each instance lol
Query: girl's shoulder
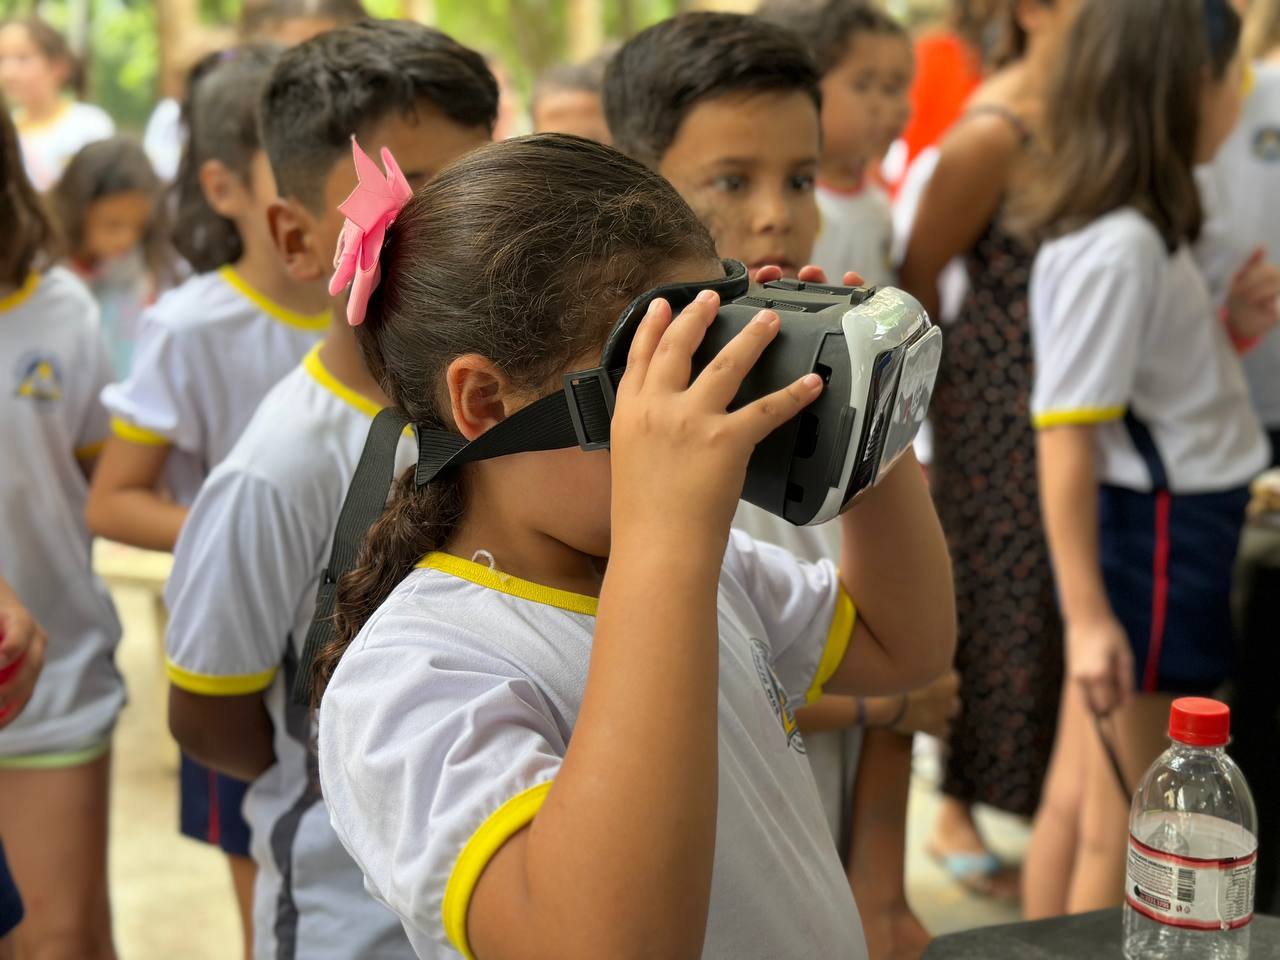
(59, 298)
(201, 301)
(1122, 240)
(91, 120)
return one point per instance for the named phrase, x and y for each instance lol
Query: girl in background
(207, 352)
(1145, 433)
(107, 204)
(37, 70)
(1009, 653)
(55, 756)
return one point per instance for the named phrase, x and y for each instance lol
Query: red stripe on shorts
(215, 821)
(1159, 593)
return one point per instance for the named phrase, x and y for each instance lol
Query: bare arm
(233, 734)
(1098, 652)
(124, 502)
(958, 202)
(617, 863)
(895, 566)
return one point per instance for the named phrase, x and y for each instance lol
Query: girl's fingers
(770, 274)
(648, 335)
(761, 417)
(852, 279)
(720, 380)
(811, 274)
(672, 361)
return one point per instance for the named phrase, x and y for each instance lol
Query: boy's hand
(22, 644)
(808, 274)
(1251, 302)
(931, 709)
(1100, 660)
(678, 458)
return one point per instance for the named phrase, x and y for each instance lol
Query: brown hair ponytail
(523, 252)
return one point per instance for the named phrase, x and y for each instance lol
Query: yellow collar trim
(22, 293)
(26, 126)
(322, 375)
(315, 322)
(514, 586)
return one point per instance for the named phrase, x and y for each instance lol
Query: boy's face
(577, 112)
(865, 103)
(746, 163)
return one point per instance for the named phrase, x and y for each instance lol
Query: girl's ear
(225, 192)
(294, 230)
(479, 395)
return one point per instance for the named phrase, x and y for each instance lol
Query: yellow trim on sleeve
(503, 824)
(1076, 418)
(842, 621)
(218, 686)
(89, 450)
(22, 293)
(323, 376)
(57, 761)
(514, 586)
(314, 322)
(135, 434)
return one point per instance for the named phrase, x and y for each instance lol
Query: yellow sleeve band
(1083, 417)
(503, 824)
(838, 637)
(89, 450)
(218, 686)
(127, 431)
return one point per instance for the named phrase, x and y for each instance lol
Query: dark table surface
(1095, 936)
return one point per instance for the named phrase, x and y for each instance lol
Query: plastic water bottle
(1193, 846)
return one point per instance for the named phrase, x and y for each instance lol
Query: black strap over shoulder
(366, 499)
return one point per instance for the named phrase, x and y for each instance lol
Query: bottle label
(1190, 892)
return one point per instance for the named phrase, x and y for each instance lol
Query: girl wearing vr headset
(526, 754)
(1146, 436)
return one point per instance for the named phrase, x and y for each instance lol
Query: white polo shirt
(54, 363)
(49, 146)
(246, 569)
(1120, 324)
(207, 353)
(1243, 199)
(448, 717)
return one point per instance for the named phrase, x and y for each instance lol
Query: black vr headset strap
(366, 499)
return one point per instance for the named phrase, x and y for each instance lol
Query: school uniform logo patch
(39, 378)
(777, 696)
(1266, 144)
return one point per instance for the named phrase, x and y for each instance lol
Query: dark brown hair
(29, 237)
(53, 45)
(1122, 117)
(524, 252)
(662, 73)
(220, 119)
(829, 27)
(104, 169)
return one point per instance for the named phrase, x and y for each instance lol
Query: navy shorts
(210, 808)
(1167, 562)
(1274, 434)
(10, 901)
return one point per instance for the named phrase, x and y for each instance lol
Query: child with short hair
(726, 107)
(1147, 439)
(207, 352)
(569, 98)
(37, 68)
(252, 551)
(865, 61)
(526, 753)
(108, 207)
(55, 756)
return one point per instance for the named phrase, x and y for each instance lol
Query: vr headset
(877, 353)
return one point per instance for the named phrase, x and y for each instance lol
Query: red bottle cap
(1199, 722)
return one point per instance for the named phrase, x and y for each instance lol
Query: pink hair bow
(371, 208)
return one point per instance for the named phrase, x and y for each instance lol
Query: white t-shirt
(48, 146)
(207, 353)
(54, 363)
(1242, 193)
(1119, 324)
(833, 754)
(855, 233)
(448, 717)
(164, 138)
(246, 569)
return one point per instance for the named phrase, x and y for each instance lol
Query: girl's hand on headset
(678, 457)
(809, 274)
